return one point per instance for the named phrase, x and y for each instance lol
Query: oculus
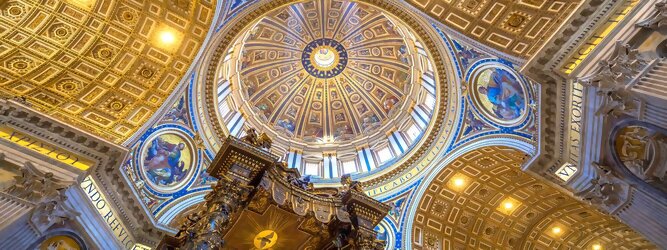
(324, 58)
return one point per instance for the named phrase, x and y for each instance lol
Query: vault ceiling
(515, 27)
(465, 207)
(104, 66)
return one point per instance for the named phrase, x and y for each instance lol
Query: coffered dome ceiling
(515, 27)
(482, 200)
(330, 79)
(104, 66)
(327, 83)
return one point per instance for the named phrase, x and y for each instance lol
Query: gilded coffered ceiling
(482, 200)
(104, 66)
(515, 27)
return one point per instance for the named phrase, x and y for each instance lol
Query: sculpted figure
(250, 136)
(658, 20)
(604, 191)
(264, 141)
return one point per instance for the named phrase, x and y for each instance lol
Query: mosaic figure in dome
(205, 178)
(178, 112)
(166, 161)
(314, 118)
(468, 55)
(389, 103)
(250, 89)
(501, 93)
(343, 131)
(265, 109)
(362, 108)
(315, 132)
(291, 111)
(379, 93)
(370, 122)
(473, 123)
(287, 124)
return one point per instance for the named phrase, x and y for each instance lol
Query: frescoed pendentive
(167, 160)
(499, 94)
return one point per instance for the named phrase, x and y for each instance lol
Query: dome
(341, 87)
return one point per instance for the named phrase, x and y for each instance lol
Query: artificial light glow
(508, 205)
(597, 247)
(458, 182)
(556, 230)
(167, 37)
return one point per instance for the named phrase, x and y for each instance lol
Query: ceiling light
(459, 182)
(167, 37)
(508, 205)
(596, 247)
(556, 230)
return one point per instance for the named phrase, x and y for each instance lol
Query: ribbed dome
(325, 83)
(341, 87)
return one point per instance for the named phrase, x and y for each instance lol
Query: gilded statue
(250, 136)
(262, 140)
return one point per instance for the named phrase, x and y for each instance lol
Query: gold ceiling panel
(515, 27)
(482, 200)
(105, 66)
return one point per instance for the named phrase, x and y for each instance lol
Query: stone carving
(643, 152)
(658, 20)
(34, 186)
(250, 136)
(607, 191)
(615, 78)
(52, 210)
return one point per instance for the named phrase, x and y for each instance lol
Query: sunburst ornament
(265, 239)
